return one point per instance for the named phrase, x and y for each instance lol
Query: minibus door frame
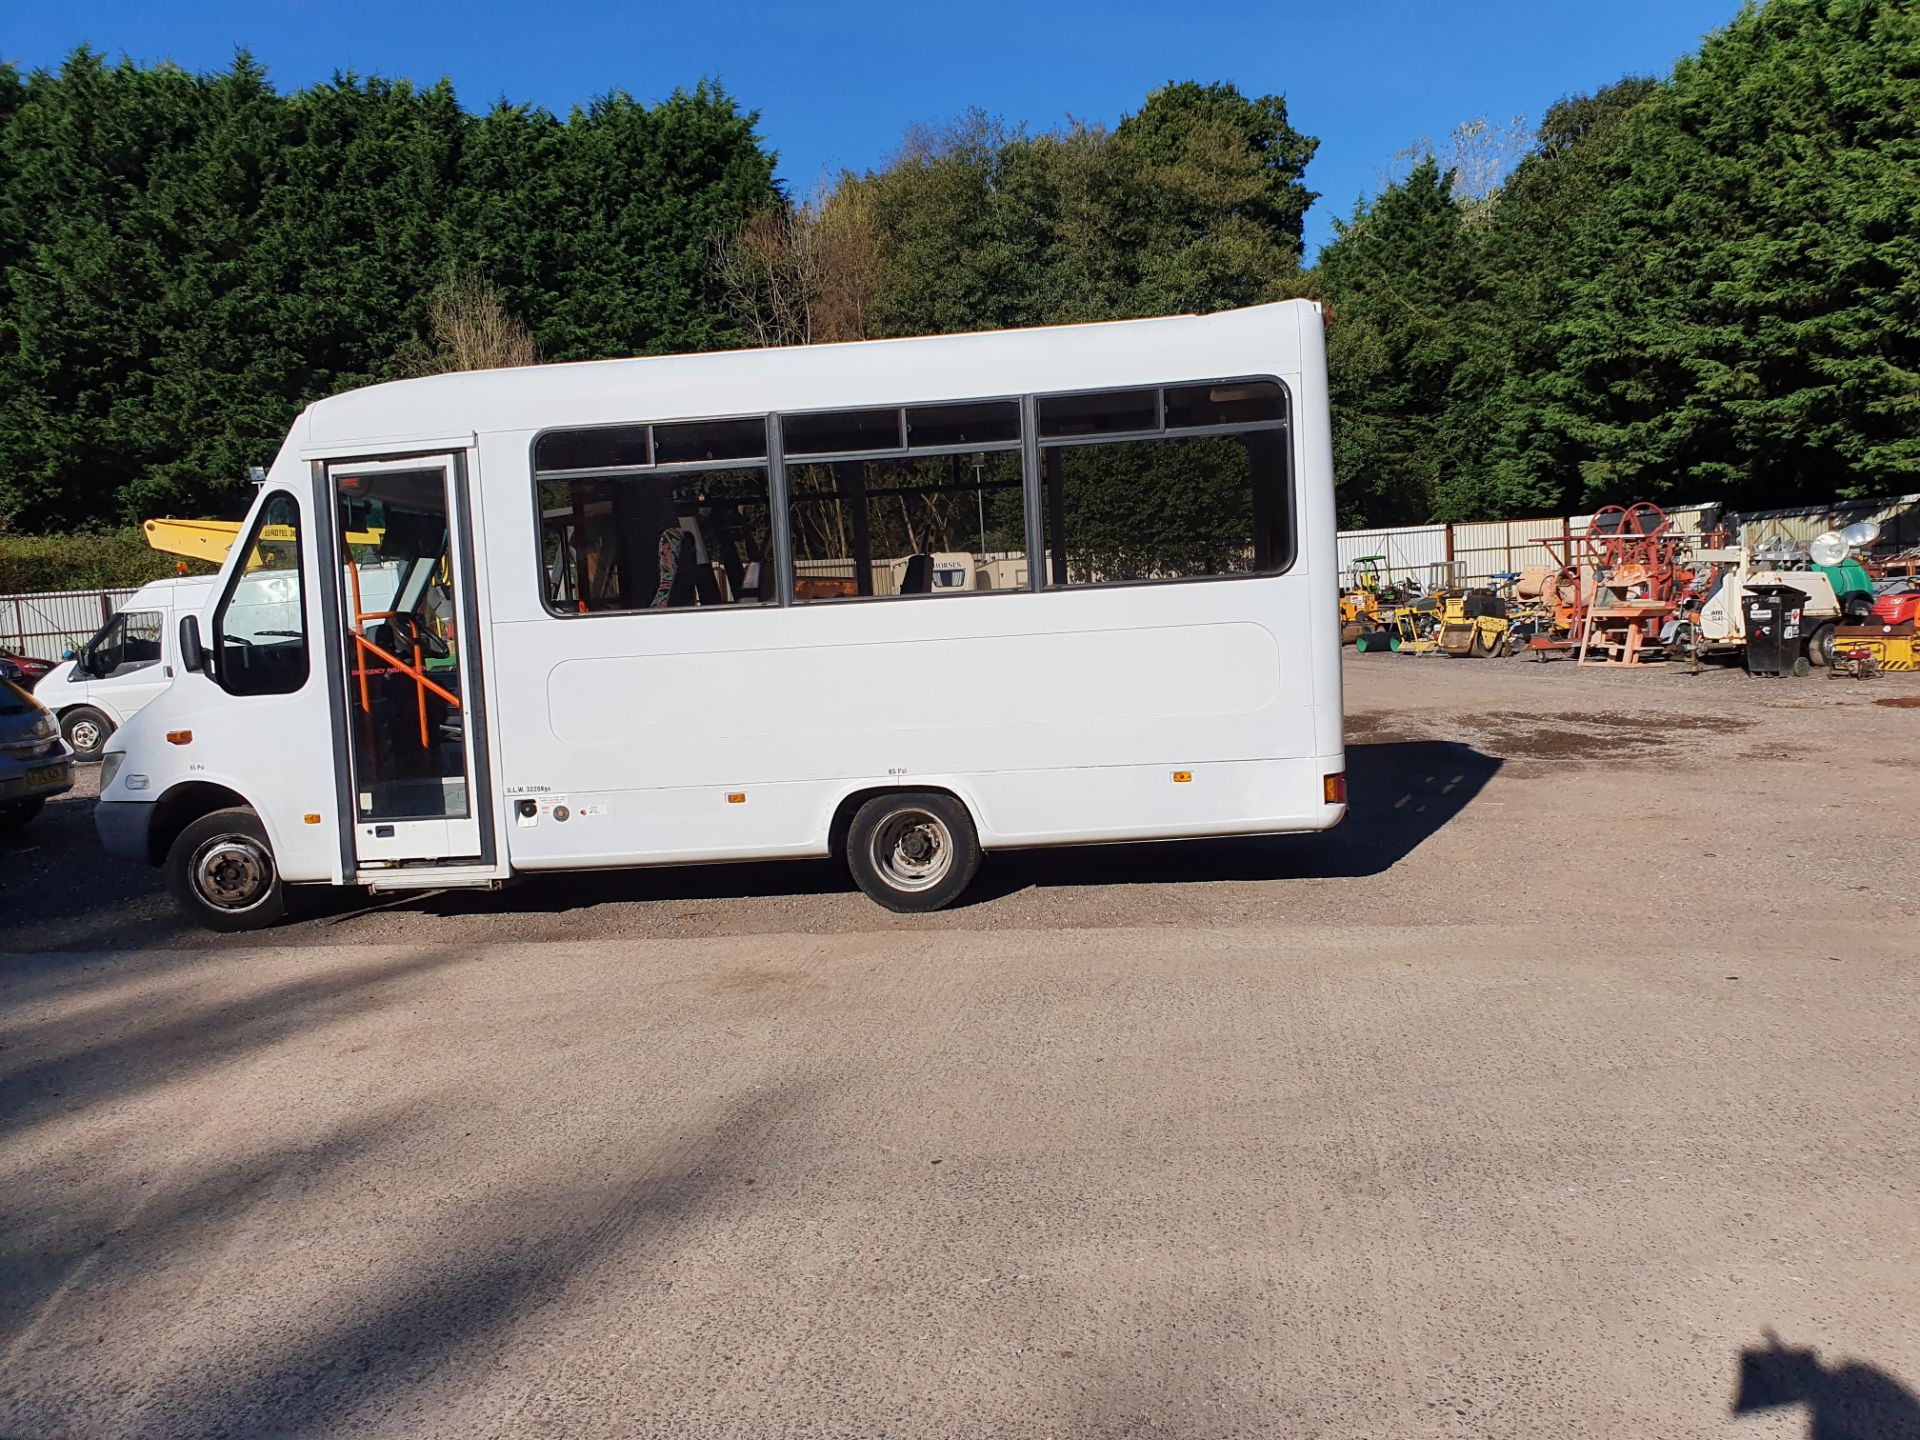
(369, 848)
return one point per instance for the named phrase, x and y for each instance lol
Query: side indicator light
(179, 737)
(736, 797)
(1334, 787)
(1183, 777)
(311, 819)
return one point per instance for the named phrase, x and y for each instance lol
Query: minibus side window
(260, 628)
(943, 513)
(669, 516)
(1202, 489)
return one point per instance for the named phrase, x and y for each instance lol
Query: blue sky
(836, 84)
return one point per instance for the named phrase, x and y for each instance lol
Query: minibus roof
(1261, 340)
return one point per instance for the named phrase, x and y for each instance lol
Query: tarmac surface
(1569, 1089)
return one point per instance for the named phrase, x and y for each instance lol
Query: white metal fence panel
(1418, 552)
(1477, 553)
(48, 624)
(1487, 549)
(1687, 519)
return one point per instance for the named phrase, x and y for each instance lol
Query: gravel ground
(1532, 1101)
(1565, 794)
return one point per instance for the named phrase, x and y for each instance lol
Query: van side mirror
(193, 655)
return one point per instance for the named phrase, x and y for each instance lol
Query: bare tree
(472, 330)
(1479, 155)
(804, 274)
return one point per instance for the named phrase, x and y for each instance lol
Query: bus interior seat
(919, 577)
(680, 592)
(694, 583)
(705, 583)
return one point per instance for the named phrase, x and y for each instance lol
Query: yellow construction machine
(1470, 624)
(1473, 624)
(1360, 602)
(209, 540)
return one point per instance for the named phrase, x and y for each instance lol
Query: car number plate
(45, 775)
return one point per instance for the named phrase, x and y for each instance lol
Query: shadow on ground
(397, 1340)
(1402, 792)
(1848, 1401)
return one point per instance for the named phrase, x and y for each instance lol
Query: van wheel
(86, 730)
(221, 874)
(914, 851)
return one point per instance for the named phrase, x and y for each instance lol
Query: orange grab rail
(420, 681)
(417, 669)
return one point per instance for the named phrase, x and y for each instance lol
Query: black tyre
(16, 813)
(914, 851)
(86, 730)
(1820, 645)
(221, 874)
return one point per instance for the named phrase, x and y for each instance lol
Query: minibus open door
(408, 654)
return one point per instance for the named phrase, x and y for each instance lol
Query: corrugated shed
(1898, 517)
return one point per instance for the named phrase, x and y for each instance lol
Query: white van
(124, 666)
(645, 612)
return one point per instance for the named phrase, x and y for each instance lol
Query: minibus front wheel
(221, 873)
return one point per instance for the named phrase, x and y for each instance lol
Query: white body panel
(1055, 715)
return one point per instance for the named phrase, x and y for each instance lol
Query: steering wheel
(408, 631)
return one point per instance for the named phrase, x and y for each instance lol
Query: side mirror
(193, 655)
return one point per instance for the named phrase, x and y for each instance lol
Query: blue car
(35, 763)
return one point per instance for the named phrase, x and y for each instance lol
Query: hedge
(107, 560)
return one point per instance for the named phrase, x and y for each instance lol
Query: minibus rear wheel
(914, 850)
(221, 873)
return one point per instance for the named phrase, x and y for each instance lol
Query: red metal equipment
(1618, 584)
(1897, 607)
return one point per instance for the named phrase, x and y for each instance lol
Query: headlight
(44, 728)
(110, 764)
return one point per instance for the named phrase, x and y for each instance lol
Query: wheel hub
(232, 873)
(912, 850)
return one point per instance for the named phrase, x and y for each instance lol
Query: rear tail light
(1334, 788)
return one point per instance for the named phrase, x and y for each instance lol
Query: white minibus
(900, 601)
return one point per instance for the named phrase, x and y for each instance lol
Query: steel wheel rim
(232, 872)
(913, 850)
(85, 736)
